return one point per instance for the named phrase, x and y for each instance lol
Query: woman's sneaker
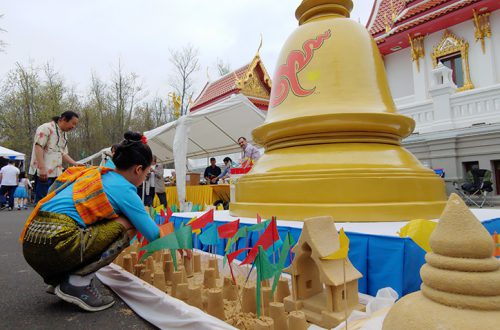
(85, 297)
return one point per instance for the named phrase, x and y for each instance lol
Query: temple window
(453, 52)
(454, 62)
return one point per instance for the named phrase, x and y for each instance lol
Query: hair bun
(133, 136)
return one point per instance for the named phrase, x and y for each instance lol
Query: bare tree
(223, 68)
(185, 62)
(2, 43)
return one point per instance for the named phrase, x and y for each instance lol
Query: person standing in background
(21, 194)
(249, 151)
(50, 149)
(9, 175)
(160, 184)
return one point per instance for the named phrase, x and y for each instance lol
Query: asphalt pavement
(24, 304)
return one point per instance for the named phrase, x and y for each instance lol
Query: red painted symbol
(286, 75)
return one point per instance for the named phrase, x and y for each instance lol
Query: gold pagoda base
(353, 182)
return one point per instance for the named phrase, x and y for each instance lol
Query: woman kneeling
(86, 220)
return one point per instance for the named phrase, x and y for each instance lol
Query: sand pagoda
(461, 279)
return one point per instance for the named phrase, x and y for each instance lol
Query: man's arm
(69, 160)
(40, 163)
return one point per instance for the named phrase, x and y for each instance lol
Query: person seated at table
(86, 220)
(227, 171)
(212, 172)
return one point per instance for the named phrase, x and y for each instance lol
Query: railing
(468, 108)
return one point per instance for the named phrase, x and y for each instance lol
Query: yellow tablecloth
(199, 195)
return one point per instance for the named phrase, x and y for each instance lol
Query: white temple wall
(399, 70)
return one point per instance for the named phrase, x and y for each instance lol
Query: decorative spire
(310, 9)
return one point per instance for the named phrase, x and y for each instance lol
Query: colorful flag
(285, 250)
(229, 229)
(209, 235)
(269, 236)
(169, 214)
(496, 251)
(166, 229)
(184, 237)
(265, 270)
(419, 231)
(242, 232)
(230, 257)
(258, 226)
(166, 242)
(342, 252)
(259, 219)
(202, 221)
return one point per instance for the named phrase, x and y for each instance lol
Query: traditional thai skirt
(55, 246)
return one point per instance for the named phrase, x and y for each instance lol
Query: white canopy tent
(100, 156)
(212, 131)
(10, 154)
(209, 132)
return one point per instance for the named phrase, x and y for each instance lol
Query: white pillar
(420, 84)
(442, 88)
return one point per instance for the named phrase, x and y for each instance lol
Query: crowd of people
(85, 216)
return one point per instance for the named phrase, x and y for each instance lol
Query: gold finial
(260, 45)
(208, 75)
(310, 9)
(176, 102)
(386, 24)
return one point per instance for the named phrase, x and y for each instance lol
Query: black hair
(132, 151)
(11, 161)
(242, 137)
(213, 158)
(227, 159)
(66, 115)
(113, 147)
(22, 175)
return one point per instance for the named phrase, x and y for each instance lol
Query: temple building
(442, 59)
(251, 80)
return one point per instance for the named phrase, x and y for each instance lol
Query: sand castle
(203, 286)
(461, 279)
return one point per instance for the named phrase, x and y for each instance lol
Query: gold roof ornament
(332, 135)
(482, 28)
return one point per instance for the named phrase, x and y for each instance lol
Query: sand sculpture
(461, 279)
(206, 288)
(318, 285)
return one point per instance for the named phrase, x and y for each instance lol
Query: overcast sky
(81, 36)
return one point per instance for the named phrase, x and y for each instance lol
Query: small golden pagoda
(332, 135)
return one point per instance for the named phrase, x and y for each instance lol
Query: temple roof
(251, 80)
(391, 21)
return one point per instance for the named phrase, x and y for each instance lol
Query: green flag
(242, 232)
(259, 226)
(184, 237)
(285, 250)
(265, 270)
(165, 242)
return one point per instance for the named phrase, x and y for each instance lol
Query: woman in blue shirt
(84, 223)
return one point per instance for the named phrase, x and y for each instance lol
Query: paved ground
(24, 303)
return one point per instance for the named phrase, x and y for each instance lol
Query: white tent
(99, 156)
(11, 154)
(212, 131)
(209, 132)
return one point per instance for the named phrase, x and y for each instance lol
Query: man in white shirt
(9, 176)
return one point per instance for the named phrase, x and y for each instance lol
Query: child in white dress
(21, 193)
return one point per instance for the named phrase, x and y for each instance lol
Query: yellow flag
(341, 253)
(419, 231)
(197, 231)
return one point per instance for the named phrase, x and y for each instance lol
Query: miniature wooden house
(318, 285)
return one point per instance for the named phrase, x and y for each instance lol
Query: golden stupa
(332, 135)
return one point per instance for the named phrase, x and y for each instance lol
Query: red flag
(228, 230)
(202, 221)
(230, 257)
(269, 236)
(259, 219)
(169, 214)
(143, 244)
